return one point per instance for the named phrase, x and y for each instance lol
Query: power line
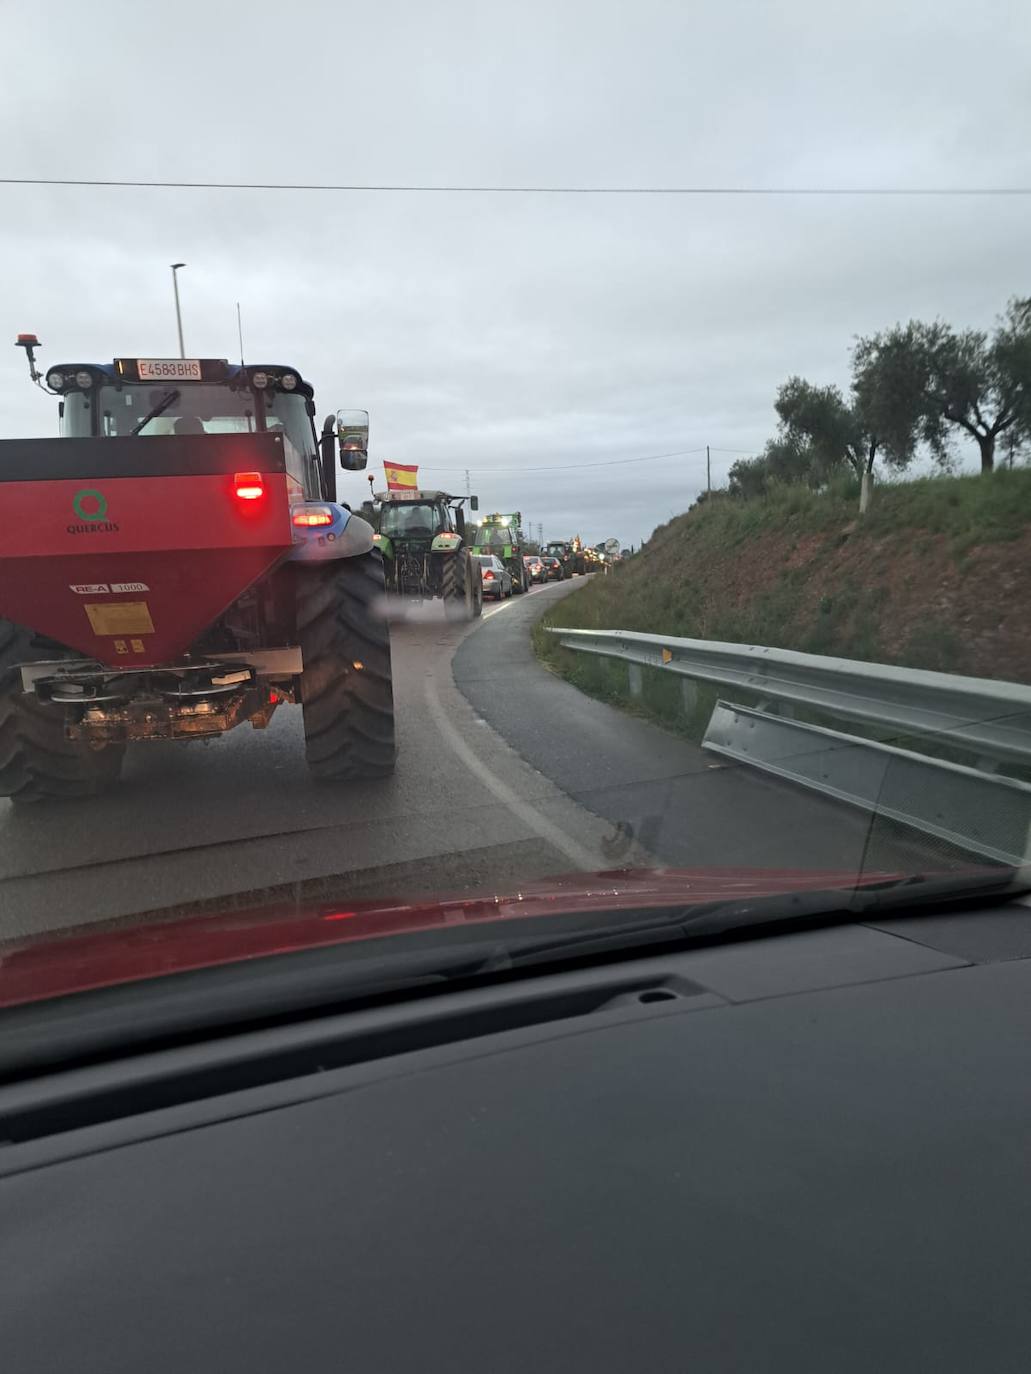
(415, 189)
(566, 467)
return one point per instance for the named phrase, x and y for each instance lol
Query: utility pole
(708, 470)
(239, 331)
(178, 313)
(468, 488)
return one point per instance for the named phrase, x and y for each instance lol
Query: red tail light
(248, 486)
(488, 576)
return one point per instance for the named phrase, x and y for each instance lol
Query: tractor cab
(405, 516)
(415, 515)
(161, 397)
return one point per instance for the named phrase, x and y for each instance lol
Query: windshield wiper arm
(159, 409)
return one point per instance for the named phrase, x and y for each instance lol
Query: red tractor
(177, 563)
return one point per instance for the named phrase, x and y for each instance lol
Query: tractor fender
(347, 537)
(446, 543)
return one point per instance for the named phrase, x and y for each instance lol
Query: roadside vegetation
(915, 389)
(800, 551)
(935, 575)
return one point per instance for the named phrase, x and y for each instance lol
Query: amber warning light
(313, 517)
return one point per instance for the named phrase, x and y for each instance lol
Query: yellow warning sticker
(667, 656)
(137, 646)
(120, 618)
(121, 647)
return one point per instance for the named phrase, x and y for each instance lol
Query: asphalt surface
(239, 818)
(505, 773)
(681, 804)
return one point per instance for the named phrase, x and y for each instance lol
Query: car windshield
(707, 335)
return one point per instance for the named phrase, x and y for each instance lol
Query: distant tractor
(570, 553)
(422, 537)
(502, 536)
(559, 548)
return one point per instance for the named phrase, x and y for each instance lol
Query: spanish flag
(401, 476)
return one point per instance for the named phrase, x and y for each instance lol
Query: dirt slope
(937, 575)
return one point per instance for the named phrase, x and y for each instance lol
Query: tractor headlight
(260, 380)
(288, 381)
(55, 381)
(84, 379)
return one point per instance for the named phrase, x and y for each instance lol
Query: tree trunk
(866, 482)
(865, 492)
(986, 443)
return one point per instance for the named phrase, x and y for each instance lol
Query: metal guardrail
(960, 805)
(988, 718)
(973, 808)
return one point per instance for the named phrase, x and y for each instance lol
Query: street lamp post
(178, 311)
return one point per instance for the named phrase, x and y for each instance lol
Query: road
(505, 773)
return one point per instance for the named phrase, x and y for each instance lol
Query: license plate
(169, 369)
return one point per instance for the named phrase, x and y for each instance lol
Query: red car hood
(82, 958)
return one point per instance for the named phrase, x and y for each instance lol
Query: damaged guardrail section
(968, 801)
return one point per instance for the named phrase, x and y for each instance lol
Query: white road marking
(510, 602)
(525, 811)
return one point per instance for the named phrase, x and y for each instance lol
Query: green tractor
(425, 555)
(570, 553)
(502, 536)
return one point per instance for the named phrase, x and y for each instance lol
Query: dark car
(497, 580)
(534, 567)
(552, 569)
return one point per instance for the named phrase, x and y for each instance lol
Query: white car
(497, 580)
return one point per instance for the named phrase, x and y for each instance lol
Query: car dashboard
(799, 1151)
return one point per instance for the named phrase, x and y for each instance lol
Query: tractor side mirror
(474, 503)
(352, 427)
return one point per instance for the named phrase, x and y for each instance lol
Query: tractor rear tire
(453, 573)
(347, 695)
(37, 762)
(473, 588)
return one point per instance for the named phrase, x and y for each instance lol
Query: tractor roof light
(260, 380)
(84, 379)
(55, 380)
(288, 381)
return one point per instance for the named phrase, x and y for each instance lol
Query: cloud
(501, 334)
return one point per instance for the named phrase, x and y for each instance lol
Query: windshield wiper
(159, 409)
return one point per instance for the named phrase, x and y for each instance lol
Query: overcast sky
(515, 336)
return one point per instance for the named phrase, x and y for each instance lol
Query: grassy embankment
(936, 575)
